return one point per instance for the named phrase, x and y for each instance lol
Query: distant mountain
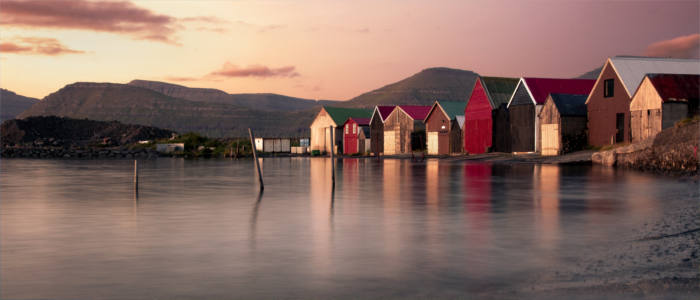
(218, 114)
(66, 131)
(422, 88)
(12, 104)
(136, 105)
(265, 101)
(592, 74)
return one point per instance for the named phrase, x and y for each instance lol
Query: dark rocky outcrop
(65, 133)
(673, 151)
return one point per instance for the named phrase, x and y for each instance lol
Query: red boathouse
(355, 134)
(488, 95)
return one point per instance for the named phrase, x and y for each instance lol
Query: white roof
(633, 69)
(460, 121)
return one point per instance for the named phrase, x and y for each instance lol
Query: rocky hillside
(12, 104)
(422, 88)
(56, 131)
(265, 101)
(136, 105)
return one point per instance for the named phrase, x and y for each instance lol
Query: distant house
(563, 123)
(662, 100)
(527, 101)
(456, 135)
(609, 102)
(439, 127)
(404, 129)
(273, 145)
(356, 135)
(376, 127)
(170, 148)
(332, 117)
(486, 129)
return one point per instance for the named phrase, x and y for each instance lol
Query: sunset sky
(325, 49)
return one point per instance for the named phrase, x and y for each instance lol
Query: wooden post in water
(136, 175)
(255, 157)
(332, 154)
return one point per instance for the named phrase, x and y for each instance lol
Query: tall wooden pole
(136, 175)
(255, 157)
(332, 154)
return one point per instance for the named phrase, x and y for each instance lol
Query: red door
(350, 138)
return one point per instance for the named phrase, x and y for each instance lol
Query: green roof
(340, 115)
(499, 89)
(453, 108)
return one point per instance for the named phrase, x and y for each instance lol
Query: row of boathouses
(632, 99)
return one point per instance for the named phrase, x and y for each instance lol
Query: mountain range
(219, 114)
(216, 113)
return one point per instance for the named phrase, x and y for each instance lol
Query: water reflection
(390, 228)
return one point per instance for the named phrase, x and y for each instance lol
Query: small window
(609, 88)
(354, 128)
(347, 129)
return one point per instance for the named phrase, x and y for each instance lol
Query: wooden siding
(376, 132)
(645, 112)
(434, 123)
(402, 126)
(320, 133)
(571, 130)
(478, 121)
(456, 145)
(500, 136)
(522, 127)
(602, 111)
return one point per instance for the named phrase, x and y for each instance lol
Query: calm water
(391, 229)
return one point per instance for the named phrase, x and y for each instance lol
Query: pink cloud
(180, 79)
(230, 70)
(681, 47)
(121, 17)
(36, 46)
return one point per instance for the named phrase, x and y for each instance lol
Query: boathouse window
(347, 129)
(354, 128)
(609, 88)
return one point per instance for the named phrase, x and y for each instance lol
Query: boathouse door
(550, 139)
(620, 126)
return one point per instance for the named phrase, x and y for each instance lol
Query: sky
(325, 49)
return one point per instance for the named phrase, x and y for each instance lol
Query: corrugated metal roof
(541, 87)
(676, 87)
(570, 105)
(340, 115)
(416, 112)
(460, 121)
(453, 108)
(499, 89)
(385, 110)
(633, 69)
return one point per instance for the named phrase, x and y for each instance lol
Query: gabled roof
(416, 112)
(451, 108)
(460, 121)
(570, 105)
(539, 88)
(633, 69)
(340, 115)
(361, 121)
(499, 89)
(383, 111)
(676, 87)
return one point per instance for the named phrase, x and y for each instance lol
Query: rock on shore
(673, 150)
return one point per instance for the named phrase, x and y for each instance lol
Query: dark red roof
(359, 121)
(384, 111)
(417, 112)
(541, 87)
(676, 87)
